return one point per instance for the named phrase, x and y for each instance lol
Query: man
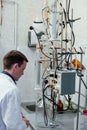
(11, 118)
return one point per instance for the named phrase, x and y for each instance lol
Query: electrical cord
(69, 21)
(44, 88)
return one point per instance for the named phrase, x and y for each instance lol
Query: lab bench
(64, 121)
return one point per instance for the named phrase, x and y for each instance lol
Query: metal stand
(79, 73)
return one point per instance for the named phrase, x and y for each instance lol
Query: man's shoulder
(6, 87)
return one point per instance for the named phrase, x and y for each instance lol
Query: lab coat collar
(5, 72)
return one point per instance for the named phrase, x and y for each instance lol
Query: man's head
(14, 62)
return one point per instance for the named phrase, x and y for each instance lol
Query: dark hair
(13, 57)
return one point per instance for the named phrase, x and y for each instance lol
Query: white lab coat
(10, 110)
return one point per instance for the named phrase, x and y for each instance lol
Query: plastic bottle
(60, 106)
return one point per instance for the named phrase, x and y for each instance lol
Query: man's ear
(15, 66)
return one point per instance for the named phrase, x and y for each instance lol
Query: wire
(47, 21)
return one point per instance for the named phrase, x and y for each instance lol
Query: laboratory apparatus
(58, 63)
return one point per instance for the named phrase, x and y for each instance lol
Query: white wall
(17, 17)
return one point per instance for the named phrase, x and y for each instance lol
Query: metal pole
(77, 125)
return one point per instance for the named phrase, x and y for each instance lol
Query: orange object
(77, 64)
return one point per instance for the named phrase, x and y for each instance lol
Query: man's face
(19, 70)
